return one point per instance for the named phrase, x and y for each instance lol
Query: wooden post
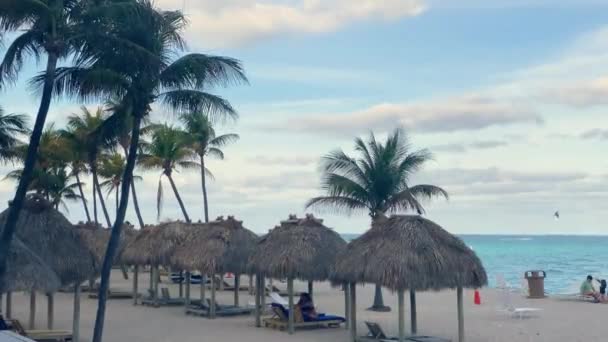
(258, 308)
(290, 324)
(251, 288)
(50, 310)
(401, 303)
(155, 278)
(76, 318)
(310, 289)
(221, 282)
(212, 304)
(181, 284)
(413, 312)
(353, 312)
(346, 289)
(125, 274)
(188, 280)
(135, 284)
(32, 310)
(203, 285)
(1, 302)
(152, 280)
(9, 305)
(237, 284)
(263, 291)
(460, 315)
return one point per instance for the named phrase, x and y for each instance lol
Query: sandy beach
(559, 320)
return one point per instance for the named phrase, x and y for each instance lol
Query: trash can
(536, 283)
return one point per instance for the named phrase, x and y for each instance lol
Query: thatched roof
(409, 252)
(154, 245)
(96, 239)
(217, 247)
(300, 248)
(26, 271)
(47, 232)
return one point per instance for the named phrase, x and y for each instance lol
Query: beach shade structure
(299, 248)
(154, 246)
(218, 247)
(53, 238)
(409, 253)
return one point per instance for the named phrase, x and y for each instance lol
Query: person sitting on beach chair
(587, 289)
(307, 307)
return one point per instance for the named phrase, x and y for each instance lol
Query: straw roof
(26, 271)
(47, 232)
(217, 247)
(300, 248)
(409, 252)
(96, 239)
(154, 245)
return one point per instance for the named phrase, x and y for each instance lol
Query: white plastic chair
(513, 311)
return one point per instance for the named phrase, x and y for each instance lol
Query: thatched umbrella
(409, 253)
(297, 249)
(26, 271)
(217, 247)
(154, 246)
(46, 231)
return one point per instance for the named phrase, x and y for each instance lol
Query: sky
(509, 95)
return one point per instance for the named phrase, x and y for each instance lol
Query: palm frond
(183, 100)
(199, 70)
(224, 139)
(28, 44)
(336, 204)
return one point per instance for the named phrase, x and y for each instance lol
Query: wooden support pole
(181, 284)
(32, 322)
(258, 308)
(310, 289)
(353, 312)
(76, 317)
(414, 324)
(9, 305)
(251, 287)
(156, 281)
(125, 274)
(461, 337)
(203, 285)
(263, 291)
(401, 304)
(212, 307)
(151, 280)
(221, 282)
(346, 289)
(188, 280)
(135, 284)
(237, 284)
(50, 311)
(291, 322)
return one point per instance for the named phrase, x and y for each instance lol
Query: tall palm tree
(136, 67)
(46, 27)
(11, 127)
(203, 140)
(167, 151)
(83, 129)
(377, 182)
(112, 169)
(77, 156)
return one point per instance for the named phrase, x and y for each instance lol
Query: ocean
(567, 260)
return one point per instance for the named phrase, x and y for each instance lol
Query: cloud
(464, 147)
(581, 94)
(237, 22)
(596, 133)
(454, 114)
(292, 161)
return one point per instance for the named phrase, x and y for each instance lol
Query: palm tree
(11, 127)
(82, 129)
(77, 156)
(46, 27)
(136, 67)
(167, 151)
(377, 182)
(112, 169)
(203, 140)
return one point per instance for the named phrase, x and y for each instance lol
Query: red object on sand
(477, 299)
(229, 275)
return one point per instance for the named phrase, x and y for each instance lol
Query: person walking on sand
(587, 289)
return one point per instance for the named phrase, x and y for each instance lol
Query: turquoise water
(567, 260)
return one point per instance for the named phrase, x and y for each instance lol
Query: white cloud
(596, 133)
(452, 114)
(237, 22)
(581, 94)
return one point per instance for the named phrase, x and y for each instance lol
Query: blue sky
(509, 95)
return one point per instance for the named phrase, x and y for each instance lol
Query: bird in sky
(556, 215)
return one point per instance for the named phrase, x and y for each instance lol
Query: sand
(559, 320)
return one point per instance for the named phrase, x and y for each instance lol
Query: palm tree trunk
(136, 206)
(84, 200)
(179, 199)
(379, 301)
(116, 231)
(134, 193)
(95, 205)
(204, 185)
(101, 201)
(28, 167)
(116, 196)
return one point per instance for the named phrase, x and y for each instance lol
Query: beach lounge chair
(377, 334)
(164, 300)
(280, 319)
(11, 336)
(220, 310)
(40, 334)
(513, 311)
(276, 298)
(113, 294)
